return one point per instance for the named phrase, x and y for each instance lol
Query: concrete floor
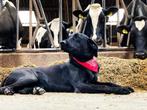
(74, 101)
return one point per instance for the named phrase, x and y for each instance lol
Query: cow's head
(42, 39)
(138, 32)
(94, 16)
(3, 3)
(54, 27)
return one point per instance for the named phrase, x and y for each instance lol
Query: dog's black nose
(63, 44)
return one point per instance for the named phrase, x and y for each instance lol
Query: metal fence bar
(30, 23)
(1, 4)
(38, 21)
(17, 23)
(61, 19)
(92, 1)
(105, 39)
(46, 23)
(132, 13)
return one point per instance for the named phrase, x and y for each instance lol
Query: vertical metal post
(61, 18)
(66, 8)
(73, 17)
(48, 30)
(38, 16)
(132, 14)
(105, 39)
(1, 4)
(92, 1)
(30, 23)
(118, 34)
(17, 22)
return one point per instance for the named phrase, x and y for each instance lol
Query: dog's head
(80, 46)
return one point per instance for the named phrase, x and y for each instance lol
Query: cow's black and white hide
(8, 20)
(92, 21)
(137, 27)
(76, 75)
(42, 39)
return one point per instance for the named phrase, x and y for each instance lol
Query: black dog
(77, 75)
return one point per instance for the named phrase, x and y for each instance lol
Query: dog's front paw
(123, 90)
(129, 88)
(38, 90)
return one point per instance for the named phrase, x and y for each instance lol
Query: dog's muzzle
(63, 44)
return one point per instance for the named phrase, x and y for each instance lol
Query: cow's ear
(123, 29)
(80, 14)
(110, 11)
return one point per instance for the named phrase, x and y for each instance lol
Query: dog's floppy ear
(93, 47)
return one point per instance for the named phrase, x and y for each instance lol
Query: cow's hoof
(8, 91)
(38, 90)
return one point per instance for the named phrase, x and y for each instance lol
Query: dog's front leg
(98, 88)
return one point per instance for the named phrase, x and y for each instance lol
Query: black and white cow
(8, 20)
(42, 39)
(94, 17)
(137, 28)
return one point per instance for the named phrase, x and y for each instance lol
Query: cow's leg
(102, 88)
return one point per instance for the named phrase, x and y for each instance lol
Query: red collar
(91, 65)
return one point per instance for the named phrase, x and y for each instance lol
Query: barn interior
(54, 9)
(117, 63)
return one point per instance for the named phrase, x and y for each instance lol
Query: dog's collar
(91, 65)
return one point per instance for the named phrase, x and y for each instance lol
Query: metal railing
(38, 8)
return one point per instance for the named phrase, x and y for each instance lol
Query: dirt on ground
(127, 72)
(74, 101)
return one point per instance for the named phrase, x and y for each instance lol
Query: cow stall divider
(38, 8)
(40, 15)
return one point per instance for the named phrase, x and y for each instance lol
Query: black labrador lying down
(76, 75)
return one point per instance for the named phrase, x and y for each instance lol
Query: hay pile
(127, 72)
